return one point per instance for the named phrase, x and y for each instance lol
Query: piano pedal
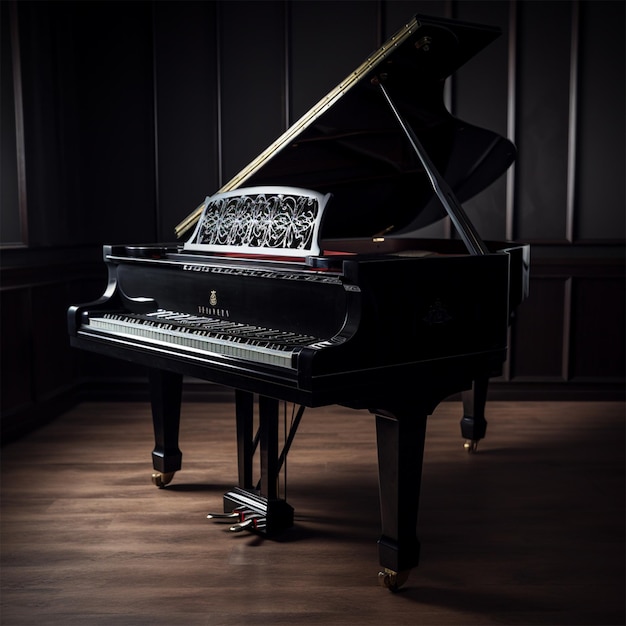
(254, 512)
(253, 522)
(237, 512)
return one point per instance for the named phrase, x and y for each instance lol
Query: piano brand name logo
(212, 309)
(437, 314)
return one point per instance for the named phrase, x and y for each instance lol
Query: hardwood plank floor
(530, 530)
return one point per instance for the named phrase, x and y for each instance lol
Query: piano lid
(351, 145)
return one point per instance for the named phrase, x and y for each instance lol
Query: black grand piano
(302, 281)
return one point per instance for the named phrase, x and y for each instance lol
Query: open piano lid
(351, 145)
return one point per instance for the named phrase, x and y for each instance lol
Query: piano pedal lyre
(254, 512)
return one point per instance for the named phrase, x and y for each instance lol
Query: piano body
(307, 285)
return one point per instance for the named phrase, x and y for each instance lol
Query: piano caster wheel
(471, 446)
(392, 580)
(161, 479)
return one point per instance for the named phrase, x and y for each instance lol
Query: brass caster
(471, 446)
(392, 580)
(161, 479)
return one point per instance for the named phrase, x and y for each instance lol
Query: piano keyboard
(205, 334)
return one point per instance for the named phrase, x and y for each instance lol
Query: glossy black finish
(165, 397)
(397, 325)
(381, 316)
(397, 334)
(357, 151)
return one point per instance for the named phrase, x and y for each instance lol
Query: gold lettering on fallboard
(213, 311)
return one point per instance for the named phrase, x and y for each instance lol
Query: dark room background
(118, 118)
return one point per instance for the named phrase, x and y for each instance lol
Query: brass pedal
(253, 522)
(232, 515)
(253, 512)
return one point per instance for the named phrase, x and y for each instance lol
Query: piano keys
(280, 293)
(203, 335)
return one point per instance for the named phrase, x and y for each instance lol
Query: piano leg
(473, 423)
(165, 396)
(244, 408)
(400, 437)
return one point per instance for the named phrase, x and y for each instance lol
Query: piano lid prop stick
(307, 119)
(464, 227)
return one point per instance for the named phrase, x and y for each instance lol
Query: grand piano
(302, 281)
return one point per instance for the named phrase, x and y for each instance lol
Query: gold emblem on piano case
(437, 314)
(213, 298)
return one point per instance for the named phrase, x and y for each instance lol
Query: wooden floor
(530, 530)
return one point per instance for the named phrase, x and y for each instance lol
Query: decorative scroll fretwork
(260, 220)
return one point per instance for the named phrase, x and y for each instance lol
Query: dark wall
(123, 116)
